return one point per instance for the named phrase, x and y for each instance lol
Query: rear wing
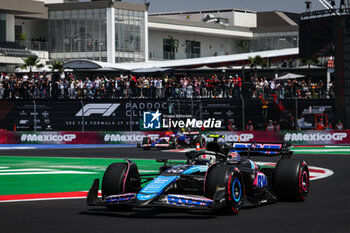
(215, 136)
(191, 133)
(262, 149)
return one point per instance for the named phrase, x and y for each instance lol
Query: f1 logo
(104, 109)
(151, 120)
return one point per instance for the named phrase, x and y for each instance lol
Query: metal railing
(324, 13)
(178, 55)
(33, 45)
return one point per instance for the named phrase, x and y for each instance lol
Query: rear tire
(146, 140)
(291, 180)
(227, 177)
(201, 140)
(113, 182)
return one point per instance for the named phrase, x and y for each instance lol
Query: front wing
(163, 200)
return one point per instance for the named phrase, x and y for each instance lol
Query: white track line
(45, 173)
(26, 170)
(45, 199)
(316, 175)
(17, 148)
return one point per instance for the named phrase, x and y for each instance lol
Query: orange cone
(197, 146)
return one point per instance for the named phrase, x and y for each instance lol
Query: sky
(297, 6)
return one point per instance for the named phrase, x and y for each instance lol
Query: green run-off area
(30, 175)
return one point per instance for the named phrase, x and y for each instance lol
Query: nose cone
(143, 199)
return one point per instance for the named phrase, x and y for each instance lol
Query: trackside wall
(308, 137)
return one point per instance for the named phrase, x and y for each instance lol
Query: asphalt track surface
(327, 208)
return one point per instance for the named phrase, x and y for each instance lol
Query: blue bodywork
(169, 177)
(267, 148)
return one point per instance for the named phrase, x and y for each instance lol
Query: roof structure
(24, 8)
(89, 64)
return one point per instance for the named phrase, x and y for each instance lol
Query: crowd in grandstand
(42, 85)
(291, 88)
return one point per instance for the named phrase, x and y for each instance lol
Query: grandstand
(13, 49)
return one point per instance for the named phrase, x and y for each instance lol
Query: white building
(199, 33)
(219, 32)
(116, 32)
(20, 21)
(106, 31)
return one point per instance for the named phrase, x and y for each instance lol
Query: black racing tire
(291, 180)
(146, 140)
(201, 140)
(113, 182)
(230, 178)
(173, 144)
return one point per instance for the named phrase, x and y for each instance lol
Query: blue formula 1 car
(220, 178)
(174, 140)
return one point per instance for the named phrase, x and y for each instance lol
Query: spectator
(60, 89)
(42, 86)
(145, 86)
(189, 90)
(249, 126)
(139, 88)
(238, 86)
(231, 126)
(158, 88)
(320, 125)
(119, 84)
(127, 88)
(71, 90)
(204, 89)
(133, 82)
(276, 125)
(270, 126)
(197, 88)
(2, 91)
(339, 125)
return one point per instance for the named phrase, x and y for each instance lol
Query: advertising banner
(25, 137)
(129, 115)
(77, 116)
(112, 115)
(3, 136)
(327, 137)
(317, 137)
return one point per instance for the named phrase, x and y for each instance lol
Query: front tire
(120, 178)
(291, 180)
(225, 181)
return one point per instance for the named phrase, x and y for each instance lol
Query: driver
(233, 157)
(206, 159)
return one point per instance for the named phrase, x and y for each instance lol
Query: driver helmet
(206, 159)
(233, 157)
(169, 134)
